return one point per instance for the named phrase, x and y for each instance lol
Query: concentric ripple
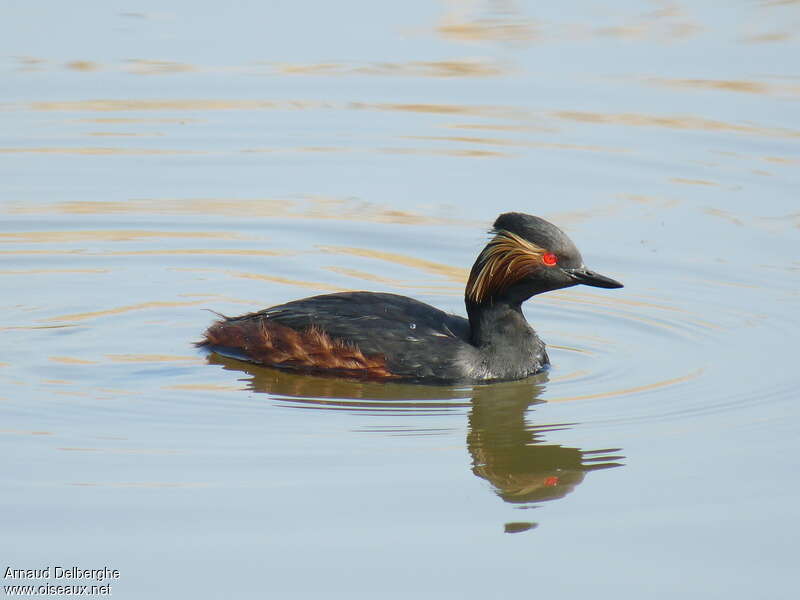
(669, 355)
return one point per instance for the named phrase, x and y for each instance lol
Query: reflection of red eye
(549, 259)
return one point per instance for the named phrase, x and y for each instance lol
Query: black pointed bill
(587, 277)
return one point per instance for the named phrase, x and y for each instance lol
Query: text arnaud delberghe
(62, 573)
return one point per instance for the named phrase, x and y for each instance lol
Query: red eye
(549, 259)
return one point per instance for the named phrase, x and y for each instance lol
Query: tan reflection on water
(139, 484)
(782, 160)
(97, 151)
(500, 127)
(35, 327)
(110, 235)
(189, 104)
(490, 111)
(646, 31)
(569, 218)
(372, 278)
(571, 349)
(68, 360)
(632, 390)
(118, 450)
(442, 68)
(51, 271)
(121, 309)
(123, 120)
(470, 21)
(775, 160)
(671, 122)
(122, 134)
(210, 105)
(309, 207)
(510, 142)
(761, 38)
(722, 214)
(745, 87)
(426, 266)
(141, 66)
(694, 181)
(487, 30)
(174, 206)
(83, 65)
(681, 122)
(447, 152)
(633, 301)
(136, 358)
(203, 387)
(600, 305)
(271, 278)
(200, 251)
(454, 68)
(31, 63)
(571, 375)
(488, 21)
(165, 252)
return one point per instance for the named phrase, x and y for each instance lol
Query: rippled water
(160, 160)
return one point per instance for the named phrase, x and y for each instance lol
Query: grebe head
(527, 256)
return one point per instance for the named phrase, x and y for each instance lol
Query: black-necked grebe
(389, 337)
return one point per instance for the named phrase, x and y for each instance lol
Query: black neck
(498, 321)
(501, 314)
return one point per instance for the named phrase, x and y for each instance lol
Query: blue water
(163, 159)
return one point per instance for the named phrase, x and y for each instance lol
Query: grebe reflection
(507, 451)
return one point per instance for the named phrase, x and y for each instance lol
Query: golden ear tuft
(506, 259)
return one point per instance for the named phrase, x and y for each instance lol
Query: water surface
(163, 159)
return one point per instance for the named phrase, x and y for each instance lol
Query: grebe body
(390, 337)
